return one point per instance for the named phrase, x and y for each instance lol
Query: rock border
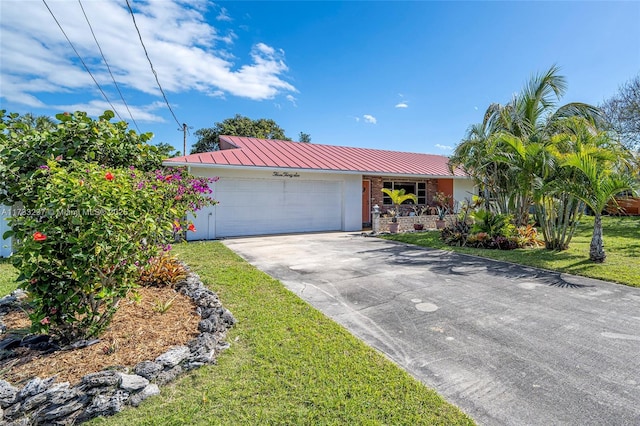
(104, 393)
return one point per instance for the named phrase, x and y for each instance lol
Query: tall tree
(304, 137)
(604, 172)
(510, 153)
(623, 113)
(209, 138)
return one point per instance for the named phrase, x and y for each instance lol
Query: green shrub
(87, 231)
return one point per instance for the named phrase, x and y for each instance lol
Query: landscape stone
(228, 318)
(101, 378)
(167, 376)
(173, 356)
(8, 394)
(107, 392)
(132, 382)
(35, 386)
(149, 390)
(34, 401)
(61, 411)
(208, 325)
(148, 369)
(60, 393)
(105, 405)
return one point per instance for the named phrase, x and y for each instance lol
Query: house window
(417, 188)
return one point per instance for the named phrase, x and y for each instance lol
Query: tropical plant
(603, 177)
(492, 224)
(512, 155)
(443, 204)
(398, 196)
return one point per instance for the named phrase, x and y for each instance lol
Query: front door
(366, 201)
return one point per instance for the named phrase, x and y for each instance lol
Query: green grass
(288, 364)
(621, 241)
(8, 275)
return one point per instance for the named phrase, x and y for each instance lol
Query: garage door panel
(254, 206)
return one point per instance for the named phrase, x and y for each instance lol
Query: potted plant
(442, 207)
(398, 196)
(419, 211)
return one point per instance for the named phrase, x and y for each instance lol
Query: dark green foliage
(209, 138)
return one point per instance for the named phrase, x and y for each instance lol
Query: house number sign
(286, 174)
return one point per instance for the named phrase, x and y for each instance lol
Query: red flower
(44, 321)
(108, 176)
(192, 227)
(168, 177)
(39, 236)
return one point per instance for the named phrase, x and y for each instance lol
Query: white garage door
(260, 206)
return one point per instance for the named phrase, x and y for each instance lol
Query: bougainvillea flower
(44, 321)
(39, 236)
(44, 167)
(192, 227)
(108, 176)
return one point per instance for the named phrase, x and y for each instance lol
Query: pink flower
(44, 321)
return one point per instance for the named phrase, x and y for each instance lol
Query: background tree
(166, 150)
(604, 172)
(304, 137)
(623, 113)
(209, 138)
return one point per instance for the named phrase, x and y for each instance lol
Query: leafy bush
(83, 230)
(528, 237)
(24, 147)
(491, 223)
(163, 270)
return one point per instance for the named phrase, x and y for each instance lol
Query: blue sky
(406, 76)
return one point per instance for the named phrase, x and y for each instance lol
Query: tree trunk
(596, 250)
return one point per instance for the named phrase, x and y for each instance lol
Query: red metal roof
(254, 152)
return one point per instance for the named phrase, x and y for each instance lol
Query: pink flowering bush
(85, 230)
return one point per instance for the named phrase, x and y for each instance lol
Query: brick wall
(406, 222)
(376, 189)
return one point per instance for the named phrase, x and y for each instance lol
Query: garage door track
(510, 345)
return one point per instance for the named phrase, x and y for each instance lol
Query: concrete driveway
(508, 344)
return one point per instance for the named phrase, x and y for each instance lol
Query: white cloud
(444, 147)
(402, 105)
(369, 119)
(224, 15)
(188, 54)
(292, 99)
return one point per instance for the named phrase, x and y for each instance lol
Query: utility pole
(184, 140)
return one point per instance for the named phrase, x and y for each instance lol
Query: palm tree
(604, 173)
(398, 196)
(513, 150)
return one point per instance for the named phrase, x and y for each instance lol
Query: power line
(108, 67)
(80, 57)
(151, 64)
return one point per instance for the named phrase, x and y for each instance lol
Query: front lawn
(621, 241)
(288, 364)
